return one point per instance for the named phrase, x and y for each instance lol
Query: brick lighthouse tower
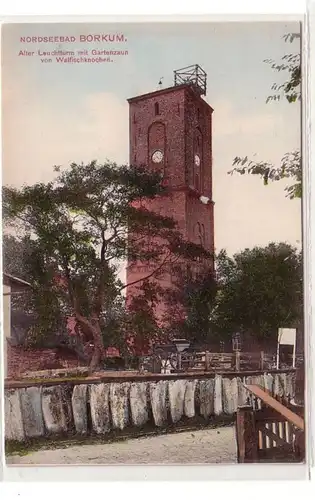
(171, 131)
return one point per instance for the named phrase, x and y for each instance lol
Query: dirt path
(193, 447)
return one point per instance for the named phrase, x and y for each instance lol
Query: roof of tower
(174, 88)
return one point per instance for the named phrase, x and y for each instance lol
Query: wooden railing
(270, 430)
(237, 361)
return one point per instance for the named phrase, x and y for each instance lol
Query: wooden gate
(270, 430)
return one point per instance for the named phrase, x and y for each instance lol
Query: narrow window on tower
(203, 235)
(198, 167)
(197, 181)
(198, 113)
(200, 243)
(156, 108)
(198, 234)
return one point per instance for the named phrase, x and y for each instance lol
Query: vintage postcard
(152, 243)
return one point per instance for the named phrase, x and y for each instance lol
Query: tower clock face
(197, 160)
(157, 156)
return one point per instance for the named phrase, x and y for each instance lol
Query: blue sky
(58, 113)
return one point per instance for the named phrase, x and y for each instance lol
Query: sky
(58, 113)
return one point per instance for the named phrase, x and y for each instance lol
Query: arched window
(156, 108)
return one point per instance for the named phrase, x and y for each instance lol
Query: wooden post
(246, 435)
(207, 361)
(299, 445)
(237, 361)
(156, 365)
(179, 361)
(262, 360)
(240, 436)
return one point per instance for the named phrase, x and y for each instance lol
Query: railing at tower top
(192, 75)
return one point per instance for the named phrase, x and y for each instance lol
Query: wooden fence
(271, 430)
(212, 361)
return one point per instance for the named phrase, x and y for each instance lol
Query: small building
(11, 285)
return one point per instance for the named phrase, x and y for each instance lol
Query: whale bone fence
(98, 408)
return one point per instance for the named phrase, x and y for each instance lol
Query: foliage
(290, 166)
(254, 292)
(82, 226)
(46, 324)
(291, 64)
(259, 290)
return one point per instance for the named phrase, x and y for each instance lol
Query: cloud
(104, 127)
(261, 130)
(38, 135)
(247, 213)
(229, 121)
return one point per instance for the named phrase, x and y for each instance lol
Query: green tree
(259, 290)
(290, 166)
(37, 310)
(82, 226)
